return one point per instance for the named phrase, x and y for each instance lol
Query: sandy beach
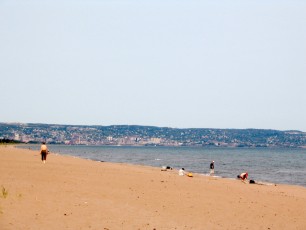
(73, 193)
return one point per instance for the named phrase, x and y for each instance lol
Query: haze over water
(275, 165)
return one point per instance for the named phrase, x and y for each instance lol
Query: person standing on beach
(43, 152)
(212, 168)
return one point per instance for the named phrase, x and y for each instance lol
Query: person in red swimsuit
(243, 176)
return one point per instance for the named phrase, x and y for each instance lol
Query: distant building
(155, 140)
(17, 137)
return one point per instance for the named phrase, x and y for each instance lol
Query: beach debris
(4, 192)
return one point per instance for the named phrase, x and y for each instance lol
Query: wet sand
(73, 193)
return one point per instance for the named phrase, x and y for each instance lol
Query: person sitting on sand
(164, 168)
(43, 152)
(243, 176)
(182, 172)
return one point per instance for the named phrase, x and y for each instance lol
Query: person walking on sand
(43, 152)
(212, 168)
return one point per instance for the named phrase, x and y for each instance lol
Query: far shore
(73, 193)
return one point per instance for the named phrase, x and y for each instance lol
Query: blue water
(280, 166)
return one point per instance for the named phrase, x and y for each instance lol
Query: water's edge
(269, 166)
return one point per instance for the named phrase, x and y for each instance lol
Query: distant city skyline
(150, 135)
(180, 64)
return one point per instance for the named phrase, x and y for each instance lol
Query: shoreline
(228, 175)
(75, 193)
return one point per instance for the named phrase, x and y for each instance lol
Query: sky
(172, 63)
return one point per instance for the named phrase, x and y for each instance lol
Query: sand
(72, 193)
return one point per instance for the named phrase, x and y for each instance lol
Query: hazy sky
(174, 63)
